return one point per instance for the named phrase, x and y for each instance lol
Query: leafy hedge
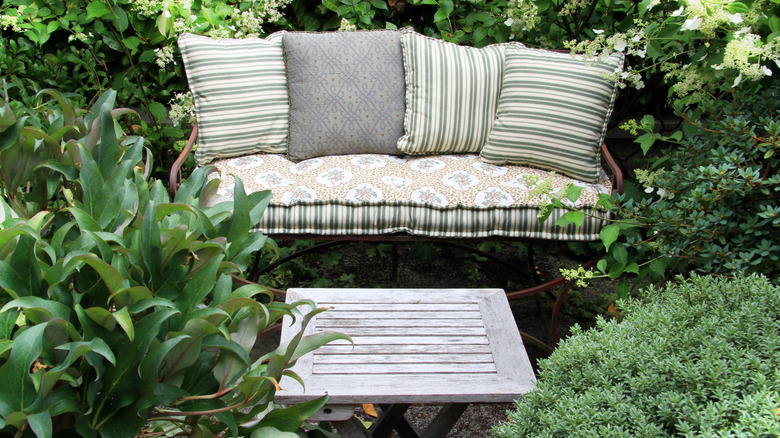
(698, 358)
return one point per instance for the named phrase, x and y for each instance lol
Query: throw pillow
(553, 112)
(346, 92)
(240, 91)
(451, 94)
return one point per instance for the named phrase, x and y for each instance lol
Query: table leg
(390, 418)
(444, 420)
(351, 428)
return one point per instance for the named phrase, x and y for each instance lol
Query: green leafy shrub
(120, 313)
(714, 198)
(698, 358)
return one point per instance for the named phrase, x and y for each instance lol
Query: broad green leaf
(5, 347)
(239, 225)
(147, 303)
(272, 432)
(158, 110)
(123, 318)
(121, 17)
(9, 136)
(151, 247)
(131, 42)
(440, 16)
(575, 217)
(737, 7)
(18, 390)
(110, 275)
(40, 423)
(229, 419)
(68, 111)
(131, 296)
(202, 280)
(107, 152)
(39, 310)
(229, 367)
(75, 351)
(122, 381)
(246, 333)
(609, 235)
(620, 254)
(97, 9)
(10, 234)
(7, 322)
(315, 341)
(84, 219)
(152, 361)
(186, 352)
(10, 281)
(658, 267)
(622, 289)
(290, 419)
(616, 270)
(163, 210)
(447, 6)
(101, 317)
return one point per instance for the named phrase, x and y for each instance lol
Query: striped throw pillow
(240, 92)
(553, 112)
(451, 94)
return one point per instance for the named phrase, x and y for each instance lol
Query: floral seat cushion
(452, 196)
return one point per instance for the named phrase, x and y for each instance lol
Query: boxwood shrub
(697, 358)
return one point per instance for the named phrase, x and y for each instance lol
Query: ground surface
(426, 266)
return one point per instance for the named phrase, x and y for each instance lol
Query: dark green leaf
(41, 307)
(290, 419)
(18, 390)
(40, 423)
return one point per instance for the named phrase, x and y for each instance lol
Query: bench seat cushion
(448, 196)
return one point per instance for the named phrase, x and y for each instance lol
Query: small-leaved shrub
(698, 358)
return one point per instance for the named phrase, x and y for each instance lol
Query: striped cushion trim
(451, 95)
(342, 218)
(240, 92)
(553, 112)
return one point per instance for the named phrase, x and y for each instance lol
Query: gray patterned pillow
(346, 92)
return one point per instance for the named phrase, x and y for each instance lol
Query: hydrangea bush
(698, 358)
(693, 46)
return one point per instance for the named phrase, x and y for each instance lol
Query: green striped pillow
(240, 92)
(451, 95)
(553, 112)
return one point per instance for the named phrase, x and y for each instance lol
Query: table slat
(404, 331)
(345, 349)
(403, 358)
(402, 368)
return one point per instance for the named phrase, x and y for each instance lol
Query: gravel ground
(452, 268)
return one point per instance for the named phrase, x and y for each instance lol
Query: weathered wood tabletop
(411, 346)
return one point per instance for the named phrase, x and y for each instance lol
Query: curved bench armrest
(617, 174)
(175, 177)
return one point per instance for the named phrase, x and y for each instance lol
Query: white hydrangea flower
(692, 24)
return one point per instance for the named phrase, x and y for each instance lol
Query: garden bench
(434, 346)
(394, 136)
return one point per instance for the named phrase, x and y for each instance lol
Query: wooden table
(449, 346)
